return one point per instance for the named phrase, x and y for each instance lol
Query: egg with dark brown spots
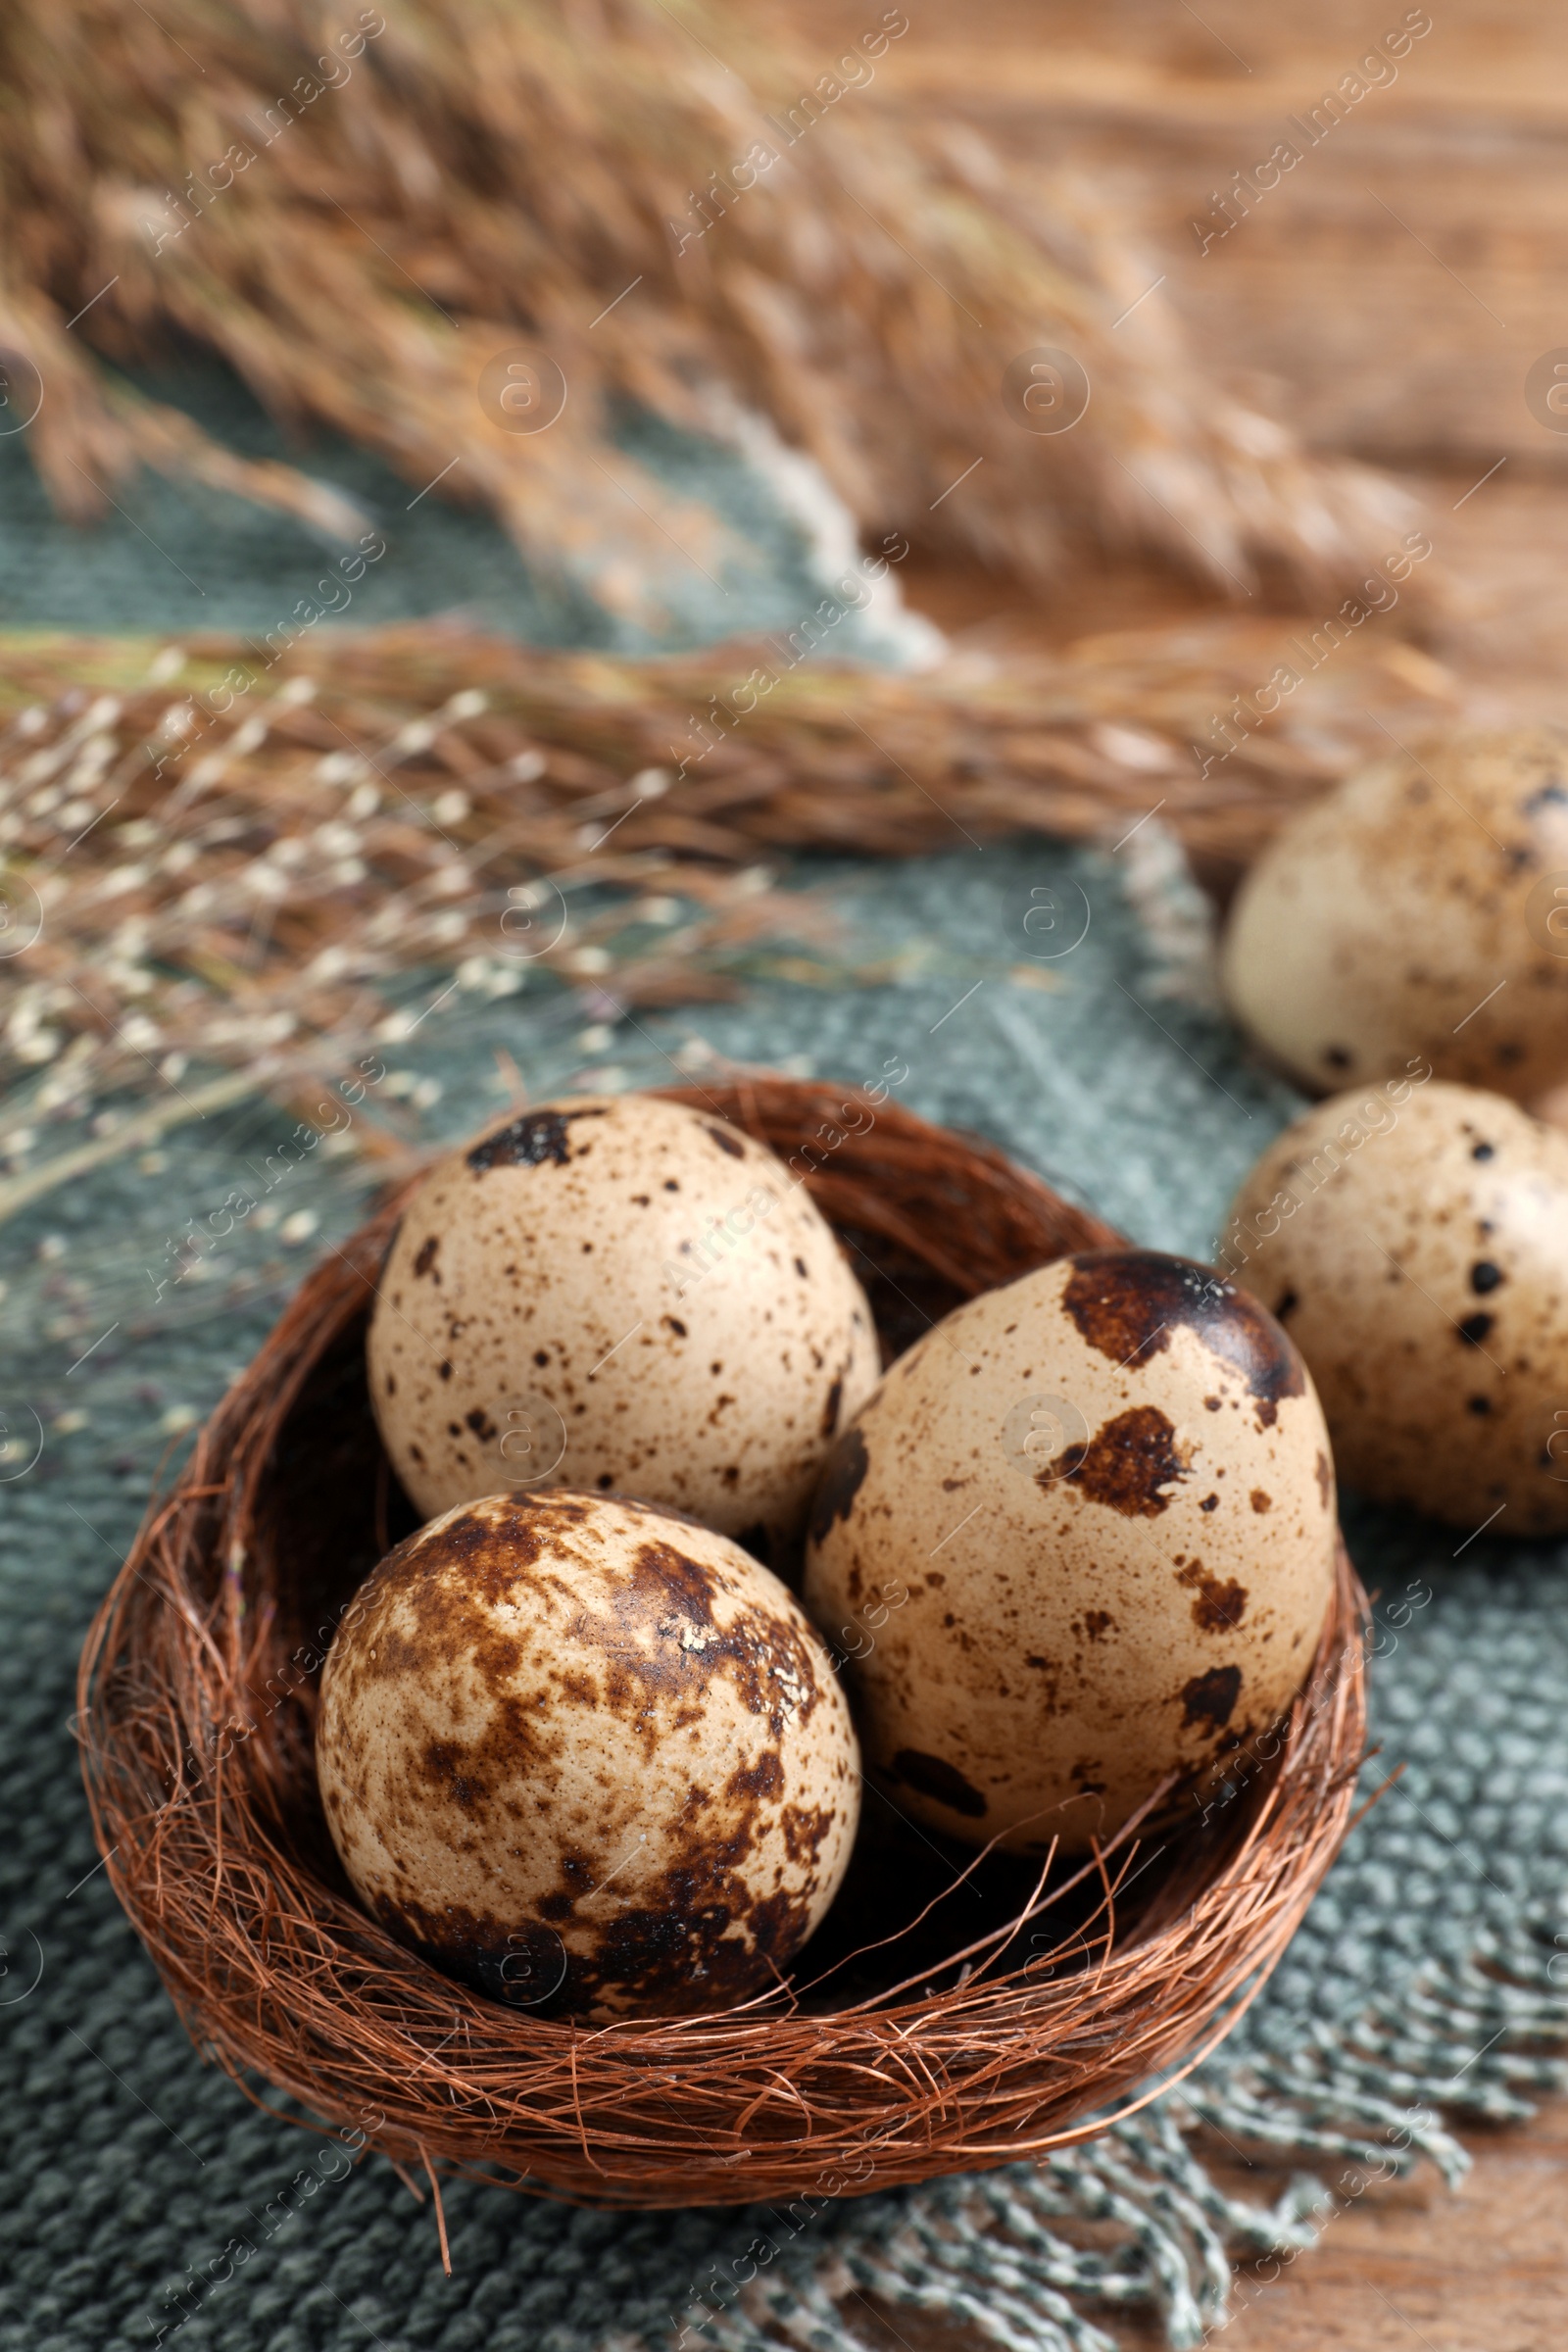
(588, 1756)
(1414, 1239)
(619, 1293)
(1080, 1541)
(1419, 909)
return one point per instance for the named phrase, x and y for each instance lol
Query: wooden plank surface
(1409, 2265)
(1501, 626)
(1392, 292)
(1482, 2270)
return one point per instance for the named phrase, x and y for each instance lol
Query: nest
(971, 2036)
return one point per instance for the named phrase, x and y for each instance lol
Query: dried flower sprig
(221, 879)
(189, 887)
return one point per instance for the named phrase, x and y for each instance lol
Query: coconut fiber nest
(924, 2030)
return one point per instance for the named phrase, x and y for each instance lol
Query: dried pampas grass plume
(360, 211)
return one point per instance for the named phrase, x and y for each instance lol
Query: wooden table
(1411, 2265)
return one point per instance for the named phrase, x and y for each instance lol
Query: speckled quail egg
(616, 1292)
(1106, 1495)
(1420, 908)
(1414, 1241)
(587, 1755)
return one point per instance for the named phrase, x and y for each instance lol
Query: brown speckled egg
(587, 1755)
(1417, 1251)
(1087, 1526)
(1421, 909)
(618, 1293)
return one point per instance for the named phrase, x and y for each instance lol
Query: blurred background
(1098, 179)
(1390, 299)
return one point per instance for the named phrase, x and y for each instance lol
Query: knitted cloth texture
(177, 557)
(143, 2196)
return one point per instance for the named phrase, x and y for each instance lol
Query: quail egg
(618, 1293)
(1420, 908)
(1107, 1494)
(1414, 1241)
(591, 1757)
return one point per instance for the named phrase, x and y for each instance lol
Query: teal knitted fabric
(142, 2193)
(177, 558)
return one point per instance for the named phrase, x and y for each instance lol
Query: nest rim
(281, 1978)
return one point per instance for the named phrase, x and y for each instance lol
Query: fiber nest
(924, 2032)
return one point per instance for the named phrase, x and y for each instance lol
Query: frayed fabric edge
(981, 2250)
